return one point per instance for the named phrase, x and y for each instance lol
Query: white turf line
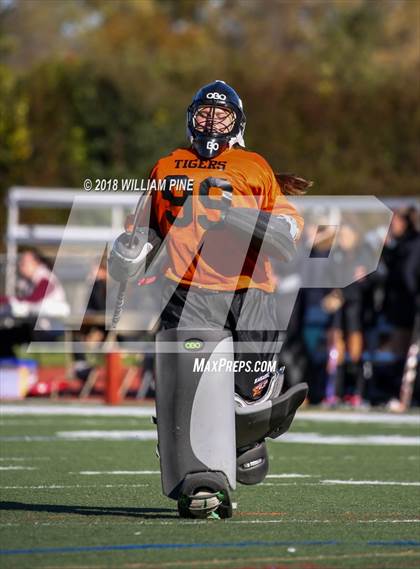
(370, 482)
(91, 473)
(143, 411)
(292, 475)
(20, 458)
(178, 522)
(18, 468)
(82, 410)
(344, 482)
(324, 521)
(98, 472)
(122, 472)
(379, 440)
(61, 486)
(151, 435)
(147, 435)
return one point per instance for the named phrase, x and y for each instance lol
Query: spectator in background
(93, 329)
(346, 336)
(401, 257)
(305, 348)
(398, 292)
(97, 300)
(37, 287)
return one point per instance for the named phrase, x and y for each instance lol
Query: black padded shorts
(250, 316)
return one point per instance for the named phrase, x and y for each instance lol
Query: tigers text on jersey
(202, 252)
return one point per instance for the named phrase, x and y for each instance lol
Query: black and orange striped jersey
(186, 208)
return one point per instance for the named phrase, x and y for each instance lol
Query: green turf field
(83, 491)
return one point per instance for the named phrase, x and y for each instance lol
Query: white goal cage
(112, 209)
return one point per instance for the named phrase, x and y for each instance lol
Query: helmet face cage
(215, 119)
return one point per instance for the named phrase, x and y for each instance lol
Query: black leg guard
(196, 419)
(270, 418)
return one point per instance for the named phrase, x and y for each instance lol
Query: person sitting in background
(37, 287)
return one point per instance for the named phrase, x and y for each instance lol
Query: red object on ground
(114, 372)
(53, 381)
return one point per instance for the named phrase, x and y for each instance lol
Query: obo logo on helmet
(218, 96)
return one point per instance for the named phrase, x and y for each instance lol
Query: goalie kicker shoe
(205, 495)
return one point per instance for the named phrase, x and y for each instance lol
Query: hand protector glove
(126, 262)
(271, 234)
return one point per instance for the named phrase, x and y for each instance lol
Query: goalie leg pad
(271, 418)
(195, 409)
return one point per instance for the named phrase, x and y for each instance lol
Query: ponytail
(292, 185)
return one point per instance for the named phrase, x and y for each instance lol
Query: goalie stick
(119, 303)
(410, 368)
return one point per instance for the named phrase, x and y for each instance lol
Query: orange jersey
(186, 207)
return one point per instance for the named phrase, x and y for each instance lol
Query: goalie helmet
(215, 119)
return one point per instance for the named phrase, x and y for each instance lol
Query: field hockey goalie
(209, 438)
